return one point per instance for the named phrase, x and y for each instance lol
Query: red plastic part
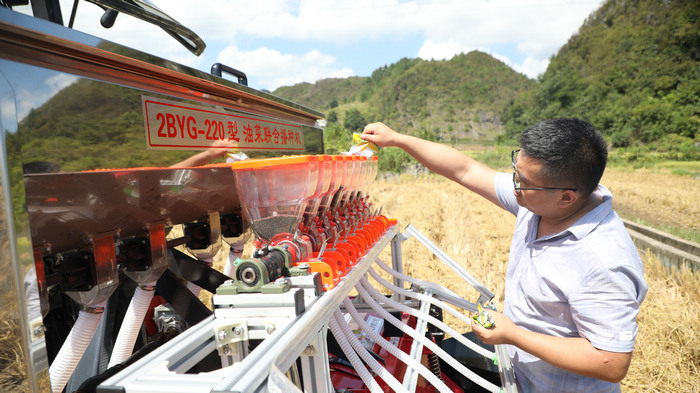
(150, 324)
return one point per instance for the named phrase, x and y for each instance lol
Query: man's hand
(380, 134)
(218, 149)
(575, 354)
(503, 332)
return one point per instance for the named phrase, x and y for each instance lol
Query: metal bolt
(309, 349)
(269, 329)
(238, 330)
(222, 335)
(226, 349)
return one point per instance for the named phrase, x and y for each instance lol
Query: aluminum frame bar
(397, 263)
(167, 366)
(486, 294)
(304, 336)
(410, 379)
(255, 368)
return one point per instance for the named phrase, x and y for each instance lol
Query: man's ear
(567, 198)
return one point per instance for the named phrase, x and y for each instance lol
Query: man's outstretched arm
(439, 158)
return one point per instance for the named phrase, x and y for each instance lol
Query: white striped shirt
(586, 281)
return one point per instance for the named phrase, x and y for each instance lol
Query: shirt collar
(593, 218)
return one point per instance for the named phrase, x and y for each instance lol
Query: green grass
(496, 157)
(687, 234)
(620, 158)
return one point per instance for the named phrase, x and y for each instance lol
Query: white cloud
(274, 69)
(532, 67)
(7, 120)
(34, 98)
(537, 28)
(523, 33)
(58, 82)
(440, 50)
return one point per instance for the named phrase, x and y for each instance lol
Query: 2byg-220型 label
(176, 125)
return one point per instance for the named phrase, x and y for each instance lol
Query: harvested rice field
(477, 234)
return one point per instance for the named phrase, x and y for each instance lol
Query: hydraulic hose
(131, 324)
(444, 327)
(353, 358)
(389, 347)
(378, 369)
(74, 347)
(421, 338)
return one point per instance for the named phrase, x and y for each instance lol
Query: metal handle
(218, 68)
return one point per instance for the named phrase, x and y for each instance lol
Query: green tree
(332, 117)
(354, 120)
(336, 139)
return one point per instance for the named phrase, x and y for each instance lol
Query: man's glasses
(516, 179)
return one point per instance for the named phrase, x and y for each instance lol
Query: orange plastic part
(360, 242)
(337, 261)
(324, 270)
(351, 251)
(267, 162)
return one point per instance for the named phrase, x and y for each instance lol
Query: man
(575, 280)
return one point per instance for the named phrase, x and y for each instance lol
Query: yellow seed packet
(363, 144)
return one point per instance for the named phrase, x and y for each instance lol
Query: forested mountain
(455, 100)
(633, 70)
(91, 125)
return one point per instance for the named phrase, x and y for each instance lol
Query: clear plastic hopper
(370, 172)
(342, 174)
(361, 180)
(323, 188)
(336, 174)
(274, 193)
(351, 180)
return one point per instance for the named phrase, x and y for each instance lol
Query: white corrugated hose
(439, 324)
(389, 347)
(131, 324)
(413, 280)
(74, 347)
(353, 358)
(378, 369)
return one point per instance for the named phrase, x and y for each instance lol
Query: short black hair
(573, 152)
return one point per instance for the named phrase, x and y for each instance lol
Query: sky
(284, 42)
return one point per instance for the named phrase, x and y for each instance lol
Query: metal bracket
(227, 334)
(486, 294)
